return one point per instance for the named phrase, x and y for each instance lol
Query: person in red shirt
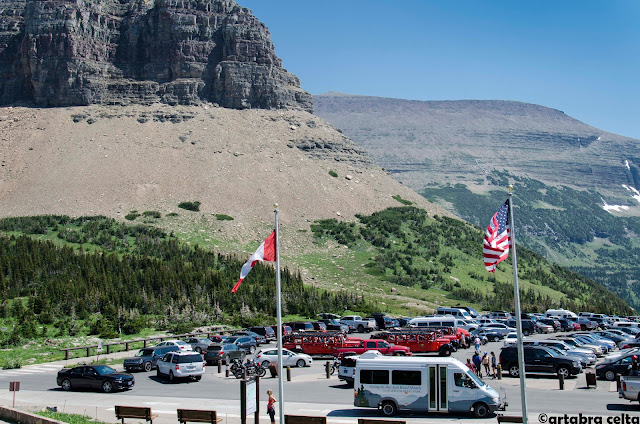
(271, 410)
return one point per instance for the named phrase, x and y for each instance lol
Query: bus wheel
(388, 409)
(480, 410)
(445, 352)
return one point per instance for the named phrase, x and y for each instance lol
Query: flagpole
(516, 298)
(279, 319)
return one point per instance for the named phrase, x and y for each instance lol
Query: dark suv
(147, 358)
(267, 332)
(300, 326)
(224, 352)
(528, 326)
(538, 359)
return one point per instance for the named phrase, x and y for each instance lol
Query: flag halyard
(497, 238)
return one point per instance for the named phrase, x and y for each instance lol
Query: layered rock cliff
(82, 52)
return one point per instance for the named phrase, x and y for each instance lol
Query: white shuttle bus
(421, 384)
(560, 313)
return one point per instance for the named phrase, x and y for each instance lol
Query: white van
(626, 324)
(560, 313)
(454, 312)
(422, 384)
(443, 321)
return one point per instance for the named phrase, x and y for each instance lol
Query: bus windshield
(475, 378)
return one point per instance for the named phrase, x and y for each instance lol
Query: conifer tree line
(139, 274)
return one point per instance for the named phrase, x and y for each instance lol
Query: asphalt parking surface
(308, 393)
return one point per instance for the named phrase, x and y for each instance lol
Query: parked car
(552, 322)
(259, 339)
(300, 326)
(268, 332)
(491, 335)
(610, 367)
(539, 359)
(199, 344)
(181, 344)
(334, 325)
(176, 365)
(565, 325)
(356, 323)
(545, 328)
(286, 329)
(147, 358)
(243, 342)
(224, 352)
(497, 327)
(289, 358)
(586, 324)
(528, 326)
(319, 326)
(511, 338)
(100, 377)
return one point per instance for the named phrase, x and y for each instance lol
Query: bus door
(438, 400)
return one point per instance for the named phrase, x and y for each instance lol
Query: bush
(131, 216)
(12, 363)
(401, 200)
(190, 206)
(152, 214)
(334, 174)
(171, 214)
(223, 217)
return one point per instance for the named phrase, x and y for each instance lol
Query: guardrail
(127, 343)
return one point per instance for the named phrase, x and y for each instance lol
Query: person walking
(485, 364)
(271, 410)
(634, 365)
(477, 363)
(477, 343)
(470, 365)
(494, 365)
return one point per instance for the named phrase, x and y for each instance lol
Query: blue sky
(582, 57)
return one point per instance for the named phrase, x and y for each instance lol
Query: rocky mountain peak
(82, 52)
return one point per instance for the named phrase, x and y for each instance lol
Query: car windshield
(230, 339)
(144, 352)
(180, 343)
(104, 370)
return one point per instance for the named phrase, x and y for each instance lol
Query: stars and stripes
(497, 238)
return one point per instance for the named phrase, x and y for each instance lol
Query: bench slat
(509, 419)
(303, 419)
(372, 421)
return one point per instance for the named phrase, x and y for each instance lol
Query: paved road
(309, 393)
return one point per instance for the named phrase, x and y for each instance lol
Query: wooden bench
(137, 412)
(370, 421)
(303, 419)
(198, 416)
(509, 419)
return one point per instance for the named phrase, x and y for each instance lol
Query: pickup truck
(629, 388)
(380, 345)
(356, 322)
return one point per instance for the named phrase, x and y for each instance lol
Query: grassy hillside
(568, 226)
(442, 256)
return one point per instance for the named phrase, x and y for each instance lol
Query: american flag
(497, 239)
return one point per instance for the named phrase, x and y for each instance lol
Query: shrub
(171, 214)
(152, 214)
(403, 201)
(12, 363)
(131, 216)
(190, 206)
(223, 217)
(334, 174)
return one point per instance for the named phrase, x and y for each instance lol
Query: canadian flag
(266, 252)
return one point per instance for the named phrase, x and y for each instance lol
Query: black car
(319, 326)
(492, 336)
(528, 326)
(609, 369)
(243, 342)
(539, 359)
(334, 325)
(565, 325)
(224, 352)
(100, 377)
(147, 358)
(300, 326)
(267, 332)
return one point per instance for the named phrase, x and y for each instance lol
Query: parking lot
(308, 393)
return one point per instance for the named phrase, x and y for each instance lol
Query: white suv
(175, 365)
